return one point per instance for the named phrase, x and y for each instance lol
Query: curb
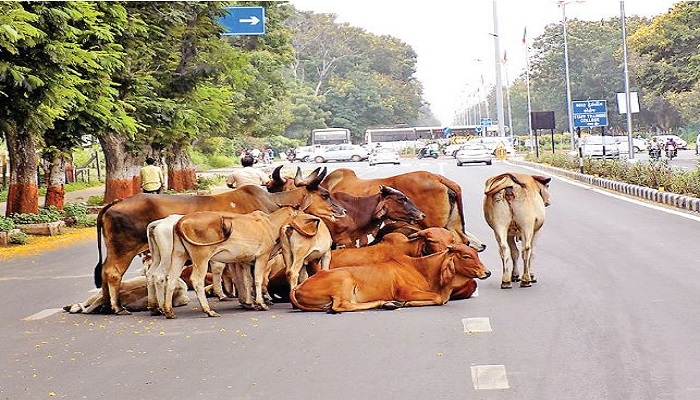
(683, 202)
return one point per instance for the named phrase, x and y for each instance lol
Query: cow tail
(455, 195)
(100, 226)
(285, 242)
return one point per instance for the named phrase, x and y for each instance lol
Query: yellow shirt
(247, 176)
(151, 178)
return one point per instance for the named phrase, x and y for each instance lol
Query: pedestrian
(248, 175)
(151, 177)
(697, 144)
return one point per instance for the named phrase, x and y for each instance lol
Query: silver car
(342, 152)
(473, 153)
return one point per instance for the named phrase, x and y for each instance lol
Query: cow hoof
(213, 313)
(225, 298)
(525, 284)
(123, 311)
(169, 315)
(391, 305)
(155, 312)
(506, 285)
(247, 306)
(261, 307)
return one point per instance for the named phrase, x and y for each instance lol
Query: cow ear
(542, 179)
(447, 271)
(379, 211)
(307, 225)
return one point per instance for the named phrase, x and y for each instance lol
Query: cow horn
(298, 180)
(276, 175)
(313, 184)
(313, 174)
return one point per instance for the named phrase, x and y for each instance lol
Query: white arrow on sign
(252, 20)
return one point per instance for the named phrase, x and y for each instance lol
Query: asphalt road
(613, 316)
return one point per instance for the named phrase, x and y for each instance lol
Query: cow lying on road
(402, 281)
(514, 207)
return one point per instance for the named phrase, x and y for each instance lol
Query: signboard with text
(590, 113)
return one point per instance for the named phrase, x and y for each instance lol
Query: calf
(402, 281)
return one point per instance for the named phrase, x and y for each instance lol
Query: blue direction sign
(243, 21)
(486, 121)
(590, 113)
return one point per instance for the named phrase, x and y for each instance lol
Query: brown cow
(438, 197)
(124, 222)
(402, 281)
(364, 215)
(514, 207)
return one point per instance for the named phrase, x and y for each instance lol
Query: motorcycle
(425, 152)
(654, 153)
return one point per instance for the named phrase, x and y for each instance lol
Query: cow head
(434, 239)
(396, 206)
(317, 200)
(466, 262)
(283, 184)
(543, 185)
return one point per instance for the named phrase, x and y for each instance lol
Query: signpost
(243, 21)
(590, 113)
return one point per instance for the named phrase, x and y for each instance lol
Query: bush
(95, 200)
(6, 224)
(45, 214)
(76, 214)
(19, 238)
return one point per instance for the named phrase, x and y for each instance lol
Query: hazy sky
(454, 38)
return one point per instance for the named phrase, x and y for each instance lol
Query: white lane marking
(31, 278)
(486, 377)
(42, 314)
(476, 325)
(617, 196)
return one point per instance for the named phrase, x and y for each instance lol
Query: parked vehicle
(600, 146)
(639, 145)
(305, 153)
(342, 152)
(427, 152)
(384, 155)
(473, 153)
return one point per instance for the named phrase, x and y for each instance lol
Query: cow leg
(342, 305)
(514, 255)
(113, 269)
(199, 273)
(243, 282)
(506, 260)
(421, 298)
(227, 281)
(217, 271)
(174, 270)
(258, 273)
(152, 304)
(527, 245)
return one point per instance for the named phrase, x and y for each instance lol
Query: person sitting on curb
(248, 175)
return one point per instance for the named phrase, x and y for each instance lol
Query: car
(451, 149)
(384, 155)
(474, 153)
(305, 153)
(600, 146)
(342, 152)
(493, 141)
(640, 145)
(680, 143)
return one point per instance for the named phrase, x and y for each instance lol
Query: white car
(593, 145)
(384, 155)
(640, 145)
(491, 142)
(473, 153)
(680, 143)
(305, 153)
(342, 152)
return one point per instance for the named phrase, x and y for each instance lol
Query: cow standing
(514, 207)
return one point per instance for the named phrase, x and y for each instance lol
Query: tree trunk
(23, 192)
(56, 179)
(181, 171)
(121, 168)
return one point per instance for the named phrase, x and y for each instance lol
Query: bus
(399, 138)
(330, 136)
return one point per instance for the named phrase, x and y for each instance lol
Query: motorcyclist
(654, 148)
(671, 148)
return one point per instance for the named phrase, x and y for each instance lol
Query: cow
(364, 215)
(133, 295)
(514, 207)
(124, 222)
(230, 238)
(435, 195)
(420, 243)
(160, 245)
(400, 282)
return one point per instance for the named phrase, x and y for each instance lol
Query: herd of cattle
(330, 243)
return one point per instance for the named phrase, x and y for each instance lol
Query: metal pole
(527, 85)
(569, 111)
(499, 85)
(628, 102)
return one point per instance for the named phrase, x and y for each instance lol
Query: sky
(454, 39)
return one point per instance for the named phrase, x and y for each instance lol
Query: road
(613, 316)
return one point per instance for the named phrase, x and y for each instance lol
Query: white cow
(514, 207)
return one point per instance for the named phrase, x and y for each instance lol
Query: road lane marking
(31, 278)
(42, 314)
(487, 377)
(476, 325)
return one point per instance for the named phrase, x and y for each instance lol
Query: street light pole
(569, 111)
(499, 84)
